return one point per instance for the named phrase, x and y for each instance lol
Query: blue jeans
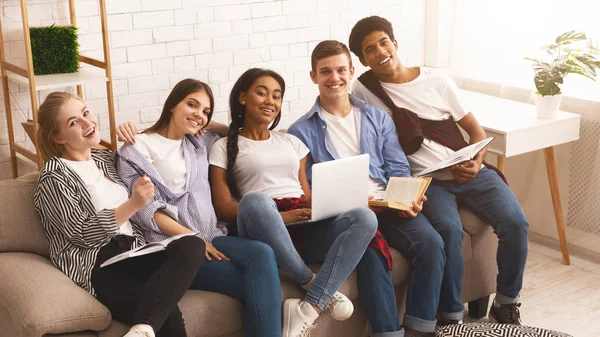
(251, 277)
(339, 243)
(490, 199)
(376, 294)
(416, 239)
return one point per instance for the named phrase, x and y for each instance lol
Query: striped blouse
(191, 208)
(75, 230)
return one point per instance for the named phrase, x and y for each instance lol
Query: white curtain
(491, 38)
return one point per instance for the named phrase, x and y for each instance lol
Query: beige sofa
(37, 299)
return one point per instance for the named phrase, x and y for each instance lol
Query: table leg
(500, 163)
(558, 213)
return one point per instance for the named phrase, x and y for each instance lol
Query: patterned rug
(484, 329)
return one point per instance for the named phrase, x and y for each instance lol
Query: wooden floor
(559, 297)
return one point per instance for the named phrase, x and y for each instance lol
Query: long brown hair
(49, 126)
(178, 94)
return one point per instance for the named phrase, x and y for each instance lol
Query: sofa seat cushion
(20, 227)
(472, 225)
(400, 268)
(40, 299)
(208, 314)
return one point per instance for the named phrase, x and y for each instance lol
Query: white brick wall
(156, 43)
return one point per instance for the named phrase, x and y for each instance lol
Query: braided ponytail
(232, 152)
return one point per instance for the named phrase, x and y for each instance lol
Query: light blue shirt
(377, 137)
(191, 208)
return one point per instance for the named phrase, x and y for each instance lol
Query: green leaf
(567, 55)
(54, 49)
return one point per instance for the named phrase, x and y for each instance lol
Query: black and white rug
(485, 329)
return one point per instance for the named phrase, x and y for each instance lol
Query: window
(491, 39)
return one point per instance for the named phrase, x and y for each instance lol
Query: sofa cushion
(208, 314)
(20, 226)
(471, 223)
(205, 314)
(40, 299)
(400, 268)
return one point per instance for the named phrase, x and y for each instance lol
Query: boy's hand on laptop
(417, 207)
(126, 132)
(300, 214)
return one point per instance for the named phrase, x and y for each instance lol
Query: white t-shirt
(105, 193)
(343, 134)
(167, 156)
(432, 95)
(270, 166)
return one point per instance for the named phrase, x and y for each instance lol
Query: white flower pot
(547, 106)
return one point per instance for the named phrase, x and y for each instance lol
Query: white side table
(518, 130)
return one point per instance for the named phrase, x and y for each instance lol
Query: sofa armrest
(36, 298)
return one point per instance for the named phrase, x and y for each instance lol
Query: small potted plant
(54, 49)
(569, 54)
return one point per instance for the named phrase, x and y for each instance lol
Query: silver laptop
(337, 186)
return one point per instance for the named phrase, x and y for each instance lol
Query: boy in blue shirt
(341, 125)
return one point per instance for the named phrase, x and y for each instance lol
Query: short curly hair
(365, 27)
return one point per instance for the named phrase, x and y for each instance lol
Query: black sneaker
(506, 313)
(444, 322)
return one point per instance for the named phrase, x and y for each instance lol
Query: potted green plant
(54, 49)
(569, 54)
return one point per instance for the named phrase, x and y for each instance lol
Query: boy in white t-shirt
(426, 106)
(340, 125)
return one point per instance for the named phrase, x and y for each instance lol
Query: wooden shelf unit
(24, 74)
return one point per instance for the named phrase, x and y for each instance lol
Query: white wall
(156, 43)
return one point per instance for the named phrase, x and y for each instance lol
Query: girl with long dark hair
(258, 179)
(175, 157)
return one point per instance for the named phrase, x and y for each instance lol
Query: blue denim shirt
(377, 137)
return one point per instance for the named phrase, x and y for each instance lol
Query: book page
(158, 246)
(465, 154)
(379, 195)
(116, 258)
(148, 249)
(402, 190)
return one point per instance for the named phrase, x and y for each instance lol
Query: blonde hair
(49, 125)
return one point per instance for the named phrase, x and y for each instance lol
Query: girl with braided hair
(258, 179)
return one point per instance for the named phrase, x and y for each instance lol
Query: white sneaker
(339, 307)
(137, 333)
(141, 330)
(298, 318)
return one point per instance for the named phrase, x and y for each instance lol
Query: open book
(149, 248)
(465, 154)
(401, 192)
